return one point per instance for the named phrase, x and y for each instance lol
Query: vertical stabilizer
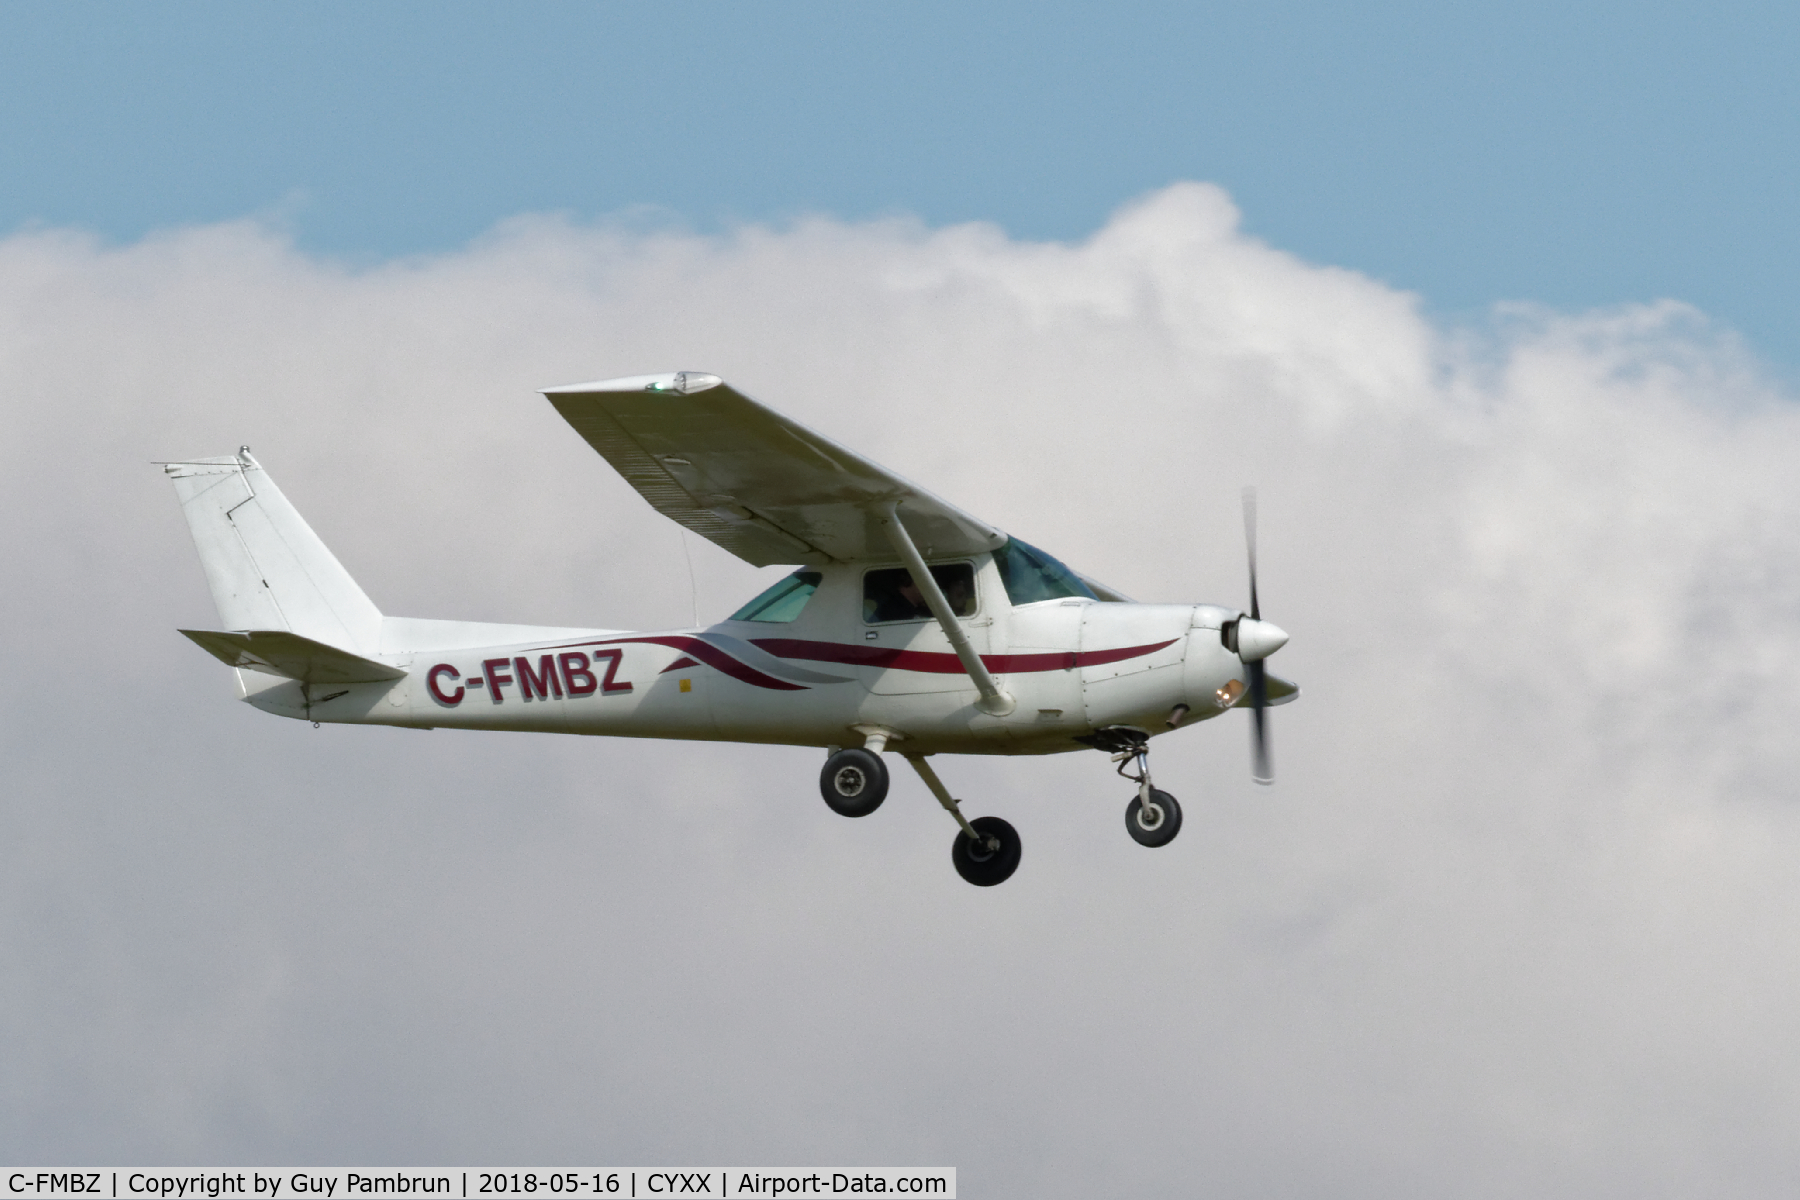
(267, 569)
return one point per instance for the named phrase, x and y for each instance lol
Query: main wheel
(1157, 826)
(978, 864)
(854, 782)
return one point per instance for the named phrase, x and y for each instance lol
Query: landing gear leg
(986, 852)
(1153, 817)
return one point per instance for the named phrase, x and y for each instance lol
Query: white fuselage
(825, 678)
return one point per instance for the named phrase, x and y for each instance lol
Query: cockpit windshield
(1031, 575)
(783, 602)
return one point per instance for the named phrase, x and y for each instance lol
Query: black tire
(1163, 830)
(976, 863)
(854, 782)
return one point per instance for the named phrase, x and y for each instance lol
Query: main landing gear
(855, 782)
(1153, 817)
(987, 849)
(986, 852)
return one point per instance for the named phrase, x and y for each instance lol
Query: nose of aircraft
(1256, 640)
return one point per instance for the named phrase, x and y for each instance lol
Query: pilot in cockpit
(891, 595)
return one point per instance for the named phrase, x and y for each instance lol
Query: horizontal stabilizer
(277, 652)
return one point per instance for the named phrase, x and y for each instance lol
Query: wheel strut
(1132, 752)
(1153, 818)
(942, 793)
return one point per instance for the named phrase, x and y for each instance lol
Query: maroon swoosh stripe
(930, 662)
(712, 656)
(707, 653)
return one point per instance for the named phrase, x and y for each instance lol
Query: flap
(277, 652)
(764, 487)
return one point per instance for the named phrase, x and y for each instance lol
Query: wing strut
(995, 700)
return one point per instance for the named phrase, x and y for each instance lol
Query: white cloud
(1519, 916)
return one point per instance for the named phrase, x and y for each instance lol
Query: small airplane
(909, 626)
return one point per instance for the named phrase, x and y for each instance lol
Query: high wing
(765, 488)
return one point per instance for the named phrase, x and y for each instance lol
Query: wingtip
(685, 383)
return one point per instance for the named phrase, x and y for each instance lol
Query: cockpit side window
(890, 595)
(1031, 575)
(783, 602)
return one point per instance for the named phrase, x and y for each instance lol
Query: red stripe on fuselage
(931, 662)
(714, 657)
(707, 653)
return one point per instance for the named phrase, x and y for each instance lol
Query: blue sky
(1569, 155)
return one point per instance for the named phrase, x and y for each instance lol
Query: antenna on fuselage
(693, 587)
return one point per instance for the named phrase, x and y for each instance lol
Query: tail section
(267, 569)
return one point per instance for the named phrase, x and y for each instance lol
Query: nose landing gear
(1154, 823)
(1153, 817)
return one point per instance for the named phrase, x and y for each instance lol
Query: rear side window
(783, 602)
(1031, 575)
(890, 595)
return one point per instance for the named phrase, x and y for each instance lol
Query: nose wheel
(1154, 823)
(1153, 817)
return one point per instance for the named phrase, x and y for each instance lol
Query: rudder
(265, 566)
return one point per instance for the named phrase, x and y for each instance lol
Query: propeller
(1253, 639)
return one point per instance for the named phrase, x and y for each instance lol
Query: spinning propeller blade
(1250, 548)
(1262, 768)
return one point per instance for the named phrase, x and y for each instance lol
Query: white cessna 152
(909, 626)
